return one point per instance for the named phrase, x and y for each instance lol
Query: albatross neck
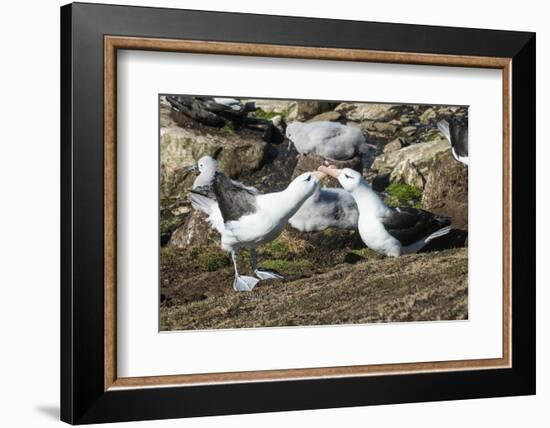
(286, 203)
(205, 178)
(368, 201)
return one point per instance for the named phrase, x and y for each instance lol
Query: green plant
(261, 114)
(212, 260)
(400, 194)
(329, 232)
(228, 129)
(288, 267)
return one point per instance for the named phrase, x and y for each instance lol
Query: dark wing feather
(234, 199)
(458, 130)
(207, 191)
(408, 225)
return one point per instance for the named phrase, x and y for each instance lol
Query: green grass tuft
(261, 114)
(400, 194)
(329, 232)
(288, 267)
(229, 129)
(367, 253)
(212, 259)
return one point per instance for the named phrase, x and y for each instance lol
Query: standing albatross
(390, 231)
(251, 218)
(324, 208)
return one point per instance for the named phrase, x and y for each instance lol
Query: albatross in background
(456, 131)
(326, 208)
(329, 140)
(251, 218)
(390, 231)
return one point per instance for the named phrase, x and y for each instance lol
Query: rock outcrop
(446, 190)
(406, 172)
(305, 110)
(421, 155)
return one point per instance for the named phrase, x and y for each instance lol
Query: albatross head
(348, 178)
(305, 184)
(206, 164)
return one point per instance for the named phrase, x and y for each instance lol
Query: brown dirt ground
(347, 286)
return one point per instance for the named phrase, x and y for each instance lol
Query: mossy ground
(345, 285)
(400, 194)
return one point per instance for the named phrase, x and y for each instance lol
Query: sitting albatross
(456, 131)
(329, 140)
(251, 218)
(390, 231)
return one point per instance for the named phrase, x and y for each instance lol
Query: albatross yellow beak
(330, 170)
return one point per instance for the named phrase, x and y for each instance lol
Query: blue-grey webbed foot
(265, 274)
(244, 283)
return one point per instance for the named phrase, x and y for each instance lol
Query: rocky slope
(409, 163)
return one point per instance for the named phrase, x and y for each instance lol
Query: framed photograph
(267, 213)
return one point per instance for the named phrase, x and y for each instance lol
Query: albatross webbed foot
(244, 283)
(264, 274)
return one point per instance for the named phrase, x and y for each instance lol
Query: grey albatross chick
(327, 207)
(330, 140)
(252, 218)
(390, 231)
(455, 131)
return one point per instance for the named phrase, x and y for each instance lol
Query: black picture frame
(83, 398)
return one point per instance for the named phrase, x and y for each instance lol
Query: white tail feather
(421, 243)
(438, 233)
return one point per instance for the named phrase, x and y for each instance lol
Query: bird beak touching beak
(320, 175)
(330, 170)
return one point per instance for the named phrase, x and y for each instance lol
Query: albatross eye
(308, 178)
(347, 176)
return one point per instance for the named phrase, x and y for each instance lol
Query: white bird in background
(232, 103)
(329, 140)
(326, 208)
(456, 131)
(390, 231)
(250, 218)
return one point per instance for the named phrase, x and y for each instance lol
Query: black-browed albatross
(390, 231)
(251, 218)
(455, 130)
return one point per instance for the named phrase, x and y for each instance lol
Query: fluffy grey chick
(326, 208)
(329, 140)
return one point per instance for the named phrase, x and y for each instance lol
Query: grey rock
(421, 154)
(407, 173)
(305, 110)
(359, 111)
(393, 145)
(330, 116)
(428, 115)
